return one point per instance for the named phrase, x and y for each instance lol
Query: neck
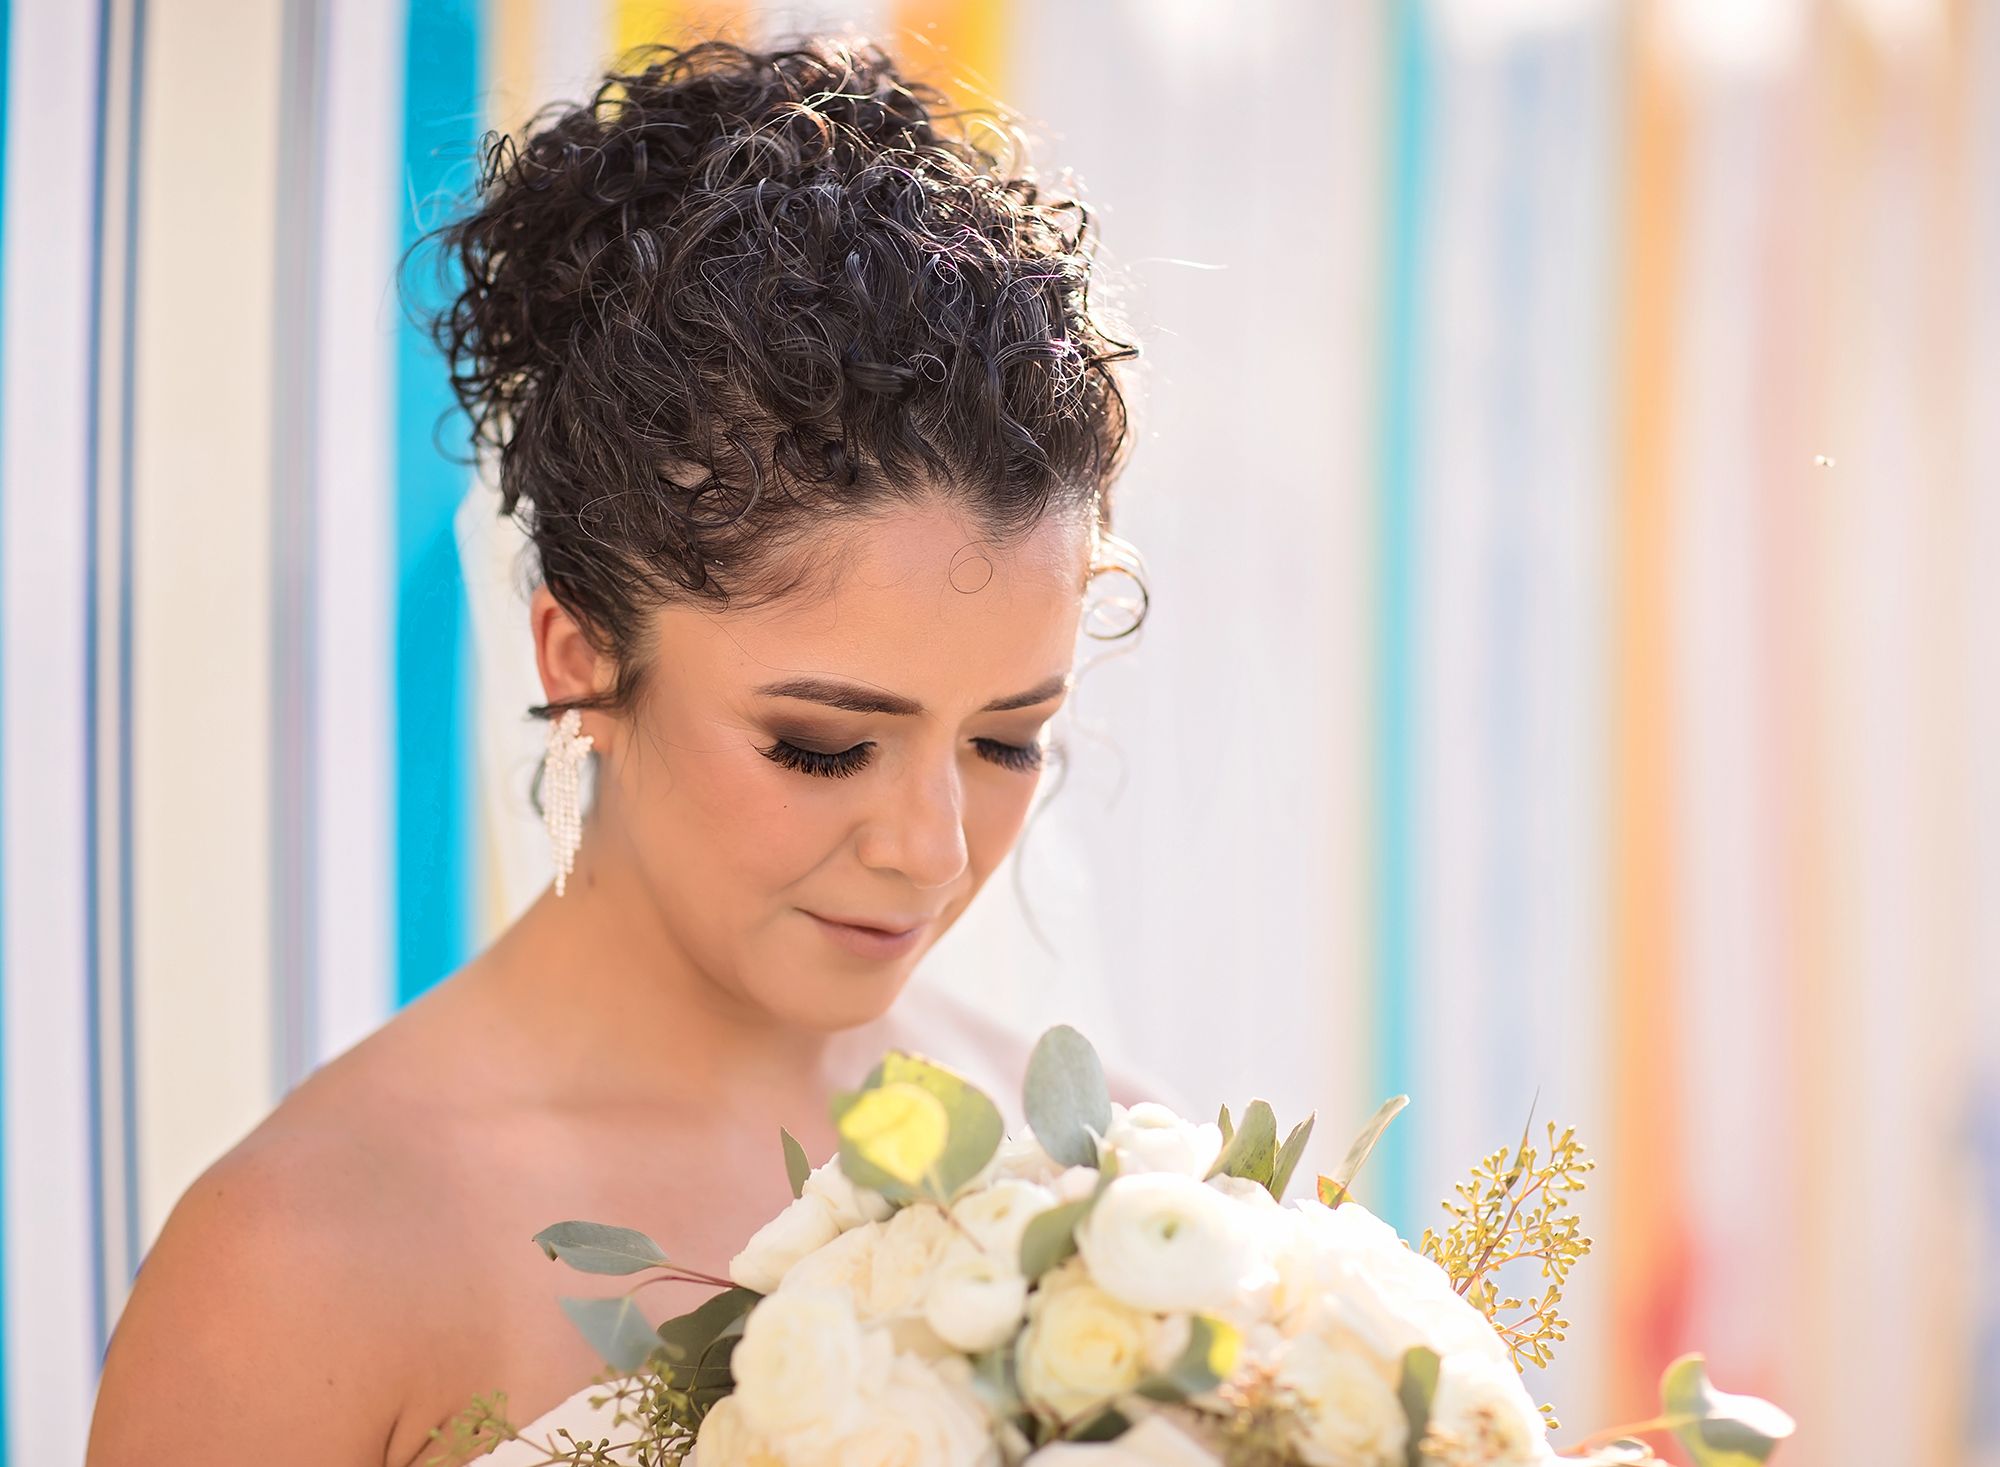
(616, 1011)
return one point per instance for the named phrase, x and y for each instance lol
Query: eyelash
(1022, 758)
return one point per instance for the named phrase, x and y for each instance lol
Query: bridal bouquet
(1120, 1288)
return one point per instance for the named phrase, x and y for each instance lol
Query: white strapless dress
(587, 1416)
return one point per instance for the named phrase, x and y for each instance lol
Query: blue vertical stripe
(441, 127)
(1395, 729)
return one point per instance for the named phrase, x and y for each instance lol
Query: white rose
(1149, 1137)
(1165, 1242)
(1352, 1415)
(803, 1362)
(851, 1205)
(1019, 1158)
(725, 1441)
(1483, 1415)
(997, 1216)
(845, 1263)
(1153, 1442)
(907, 1250)
(976, 1297)
(923, 1416)
(808, 1222)
(1082, 1347)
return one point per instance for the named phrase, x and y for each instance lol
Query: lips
(893, 927)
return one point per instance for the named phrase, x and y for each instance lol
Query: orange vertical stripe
(959, 46)
(1648, 1293)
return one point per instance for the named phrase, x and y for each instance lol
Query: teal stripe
(1395, 616)
(434, 762)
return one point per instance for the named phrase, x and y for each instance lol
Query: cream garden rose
(924, 1415)
(1083, 1348)
(1482, 1416)
(803, 1363)
(1352, 1415)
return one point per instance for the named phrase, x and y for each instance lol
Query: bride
(813, 426)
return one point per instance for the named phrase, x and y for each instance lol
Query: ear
(569, 666)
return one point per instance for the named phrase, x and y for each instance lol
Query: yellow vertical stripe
(959, 46)
(202, 602)
(1643, 1227)
(642, 22)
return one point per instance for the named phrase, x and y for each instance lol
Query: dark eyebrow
(853, 698)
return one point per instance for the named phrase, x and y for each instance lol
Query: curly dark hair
(738, 292)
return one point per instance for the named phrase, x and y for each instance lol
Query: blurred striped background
(1571, 489)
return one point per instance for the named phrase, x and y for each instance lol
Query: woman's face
(860, 755)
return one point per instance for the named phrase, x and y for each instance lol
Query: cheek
(995, 810)
(756, 823)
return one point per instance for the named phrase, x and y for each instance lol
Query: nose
(920, 832)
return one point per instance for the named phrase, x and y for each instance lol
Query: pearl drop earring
(560, 810)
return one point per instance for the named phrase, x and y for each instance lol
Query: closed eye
(1021, 758)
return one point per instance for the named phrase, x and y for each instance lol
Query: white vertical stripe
(1731, 996)
(354, 521)
(50, 1334)
(202, 588)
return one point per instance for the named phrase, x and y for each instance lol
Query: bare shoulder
(256, 1316)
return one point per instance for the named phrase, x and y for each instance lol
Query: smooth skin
(349, 1275)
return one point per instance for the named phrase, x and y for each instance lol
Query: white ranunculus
(1163, 1241)
(851, 1205)
(807, 1223)
(1153, 1442)
(998, 1215)
(725, 1441)
(925, 1415)
(1482, 1416)
(976, 1297)
(1150, 1137)
(1082, 1347)
(804, 1361)
(1074, 1183)
(1244, 1190)
(1351, 1413)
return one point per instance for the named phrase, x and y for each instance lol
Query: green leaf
(1225, 1125)
(684, 1337)
(892, 1137)
(1335, 1189)
(594, 1248)
(1050, 1237)
(1718, 1429)
(1417, 1388)
(1106, 1425)
(1253, 1151)
(615, 1328)
(974, 1128)
(1289, 1154)
(1065, 1096)
(797, 1166)
(1213, 1348)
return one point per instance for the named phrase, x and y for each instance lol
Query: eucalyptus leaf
(1065, 1096)
(1104, 1426)
(1719, 1429)
(1417, 1389)
(1209, 1358)
(1050, 1236)
(594, 1248)
(684, 1338)
(1252, 1151)
(1335, 1189)
(798, 1166)
(615, 1328)
(973, 1124)
(890, 1137)
(1289, 1154)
